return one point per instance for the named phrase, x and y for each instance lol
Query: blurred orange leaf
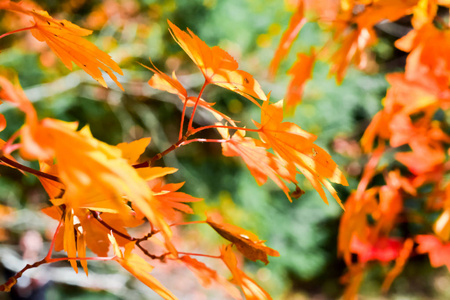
(295, 25)
(251, 289)
(246, 242)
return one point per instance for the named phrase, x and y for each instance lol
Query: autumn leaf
(354, 221)
(438, 252)
(164, 82)
(296, 147)
(399, 264)
(384, 10)
(170, 199)
(139, 268)
(217, 66)
(246, 242)
(65, 40)
(384, 249)
(132, 151)
(353, 279)
(301, 71)
(53, 188)
(354, 43)
(208, 276)
(261, 163)
(205, 274)
(428, 48)
(14, 94)
(295, 25)
(251, 289)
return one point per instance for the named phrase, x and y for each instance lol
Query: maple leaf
(262, 164)
(354, 42)
(132, 151)
(354, 220)
(164, 82)
(384, 249)
(384, 10)
(438, 252)
(171, 200)
(246, 242)
(295, 25)
(428, 47)
(353, 279)
(301, 71)
(65, 40)
(399, 264)
(251, 289)
(296, 147)
(53, 188)
(14, 94)
(217, 66)
(207, 276)
(140, 269)
(95, 174)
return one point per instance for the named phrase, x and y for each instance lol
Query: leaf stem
(194, 131)
(195, 106)
(52, 244)
(183, 114)
(17, 30)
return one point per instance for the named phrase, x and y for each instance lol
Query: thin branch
(6, 287)
(199, 254)
(28, 169)
(96, 215)
(187, 223)
(201, 140)
(183, 114)
(52, 244)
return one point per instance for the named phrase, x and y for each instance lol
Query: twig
(28, 169)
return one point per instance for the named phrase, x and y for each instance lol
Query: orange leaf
(205, 274)
(208, 276)
(438, 252)
(354, 44)
(295, 25)
(217, 66)
(384, 9)
(170, 200)
(132, 151)
(399, 264)
(163, 82)
(262, 164)
(65, 40)
(353, 279)
(53, 188)
(247, 242)
(301, 72)
(296, 147)
(429, 48)
(251, 289)
(139, 268)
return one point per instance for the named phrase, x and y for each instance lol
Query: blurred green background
(304, 232)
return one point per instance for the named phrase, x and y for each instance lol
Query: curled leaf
(246, 242)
